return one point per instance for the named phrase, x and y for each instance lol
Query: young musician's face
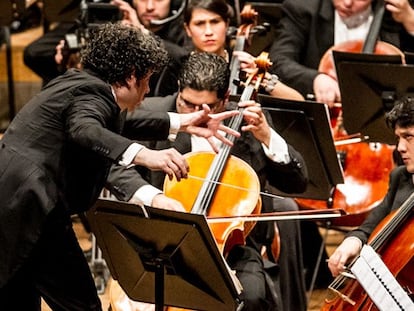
(207, 31)
(405, 146)
(149, 10)
(347, 8)
(190, 100)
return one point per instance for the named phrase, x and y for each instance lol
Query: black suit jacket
(57, 152)
(306, 32)
(400, 188)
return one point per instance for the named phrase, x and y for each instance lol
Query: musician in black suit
(401, 186)
(55, 156)
(309, 28)
(204, 79)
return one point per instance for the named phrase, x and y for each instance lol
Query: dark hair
(219, 7)
(204, 71)
(116, 51)
(402, 114)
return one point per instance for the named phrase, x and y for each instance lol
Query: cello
(205, 193)
(393, 240)
(366, 165)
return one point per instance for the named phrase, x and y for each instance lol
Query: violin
(366, 165)
(393, 240)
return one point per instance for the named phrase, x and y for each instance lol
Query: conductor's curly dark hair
(204, 71)
(116, 51)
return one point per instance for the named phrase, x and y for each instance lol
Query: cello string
(234, 187)
(395, 221)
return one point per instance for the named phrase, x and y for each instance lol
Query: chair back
(60, 11)
(11, 10)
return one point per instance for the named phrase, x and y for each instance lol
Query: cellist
(204, 80)
(401, 185)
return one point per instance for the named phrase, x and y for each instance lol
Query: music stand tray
(368, 91)
(163, 257)
(305, 126)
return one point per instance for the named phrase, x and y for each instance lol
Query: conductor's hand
(205, 124)
(346, 251)
(170, 161)
(162, 201)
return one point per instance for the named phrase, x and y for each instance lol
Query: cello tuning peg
(259, 29)
(236, 82)
(267, 25)
(231, 31)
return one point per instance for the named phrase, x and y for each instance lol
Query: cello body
(227, 201)
(397, 254)
(366, 165)
(366, 168)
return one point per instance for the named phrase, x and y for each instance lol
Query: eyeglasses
(189, 105)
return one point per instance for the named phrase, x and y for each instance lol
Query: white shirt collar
(343, 33)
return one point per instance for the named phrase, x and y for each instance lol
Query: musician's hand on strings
(170, 161)
(402, 12)
(255, 121)
(346, 251)
(247, 61)
(326, 90)
(205, 124)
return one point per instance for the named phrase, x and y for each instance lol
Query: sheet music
(379, 283)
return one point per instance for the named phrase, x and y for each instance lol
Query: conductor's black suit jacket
(57, 152)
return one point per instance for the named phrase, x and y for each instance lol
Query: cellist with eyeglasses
(204, 80)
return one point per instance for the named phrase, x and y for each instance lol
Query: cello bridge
(342, 296)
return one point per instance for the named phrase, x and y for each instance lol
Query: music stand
(368, 91)
(163, 257)
(305, 126)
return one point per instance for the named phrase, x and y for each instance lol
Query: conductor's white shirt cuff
(174, 125)
(129, 154)
(145, 195)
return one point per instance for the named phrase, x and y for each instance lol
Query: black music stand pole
(164, 257)
(159, 284)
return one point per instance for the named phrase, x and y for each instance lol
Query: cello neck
(372, 37)
(208, 187)
(396, 221)
(235, 65)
